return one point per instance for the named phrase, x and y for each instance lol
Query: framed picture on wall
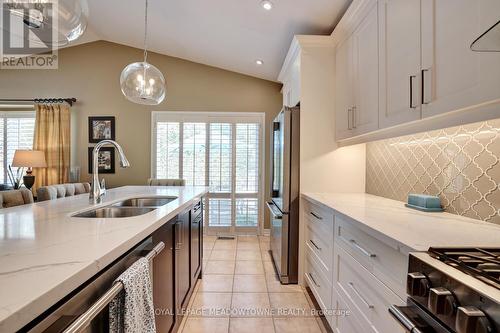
(101, 128)
(106, 160)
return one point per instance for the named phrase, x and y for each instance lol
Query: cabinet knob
(472, 320)
(442, 302)
(417, 284)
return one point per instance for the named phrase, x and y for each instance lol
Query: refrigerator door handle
(276, 128)
(275, 212)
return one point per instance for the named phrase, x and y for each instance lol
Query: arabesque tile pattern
(459, 164)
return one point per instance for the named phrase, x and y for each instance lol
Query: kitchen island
(46, 252)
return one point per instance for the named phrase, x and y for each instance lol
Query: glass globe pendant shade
(53, 22)
(143, 83)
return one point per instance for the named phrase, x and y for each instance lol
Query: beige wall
(91, 72)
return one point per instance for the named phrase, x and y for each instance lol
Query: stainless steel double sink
(127, 208)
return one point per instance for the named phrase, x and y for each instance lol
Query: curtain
(52, 136)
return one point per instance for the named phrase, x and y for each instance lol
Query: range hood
(488, 41)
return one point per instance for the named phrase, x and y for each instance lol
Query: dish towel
(132, 311)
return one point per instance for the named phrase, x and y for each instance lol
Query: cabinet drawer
(386, 262)
(347, 322)
(317, 281)
(367, 295)
(320, 219)
(322, 247)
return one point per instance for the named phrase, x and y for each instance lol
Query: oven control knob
(417, 284)
(472, 320)
(441, 301)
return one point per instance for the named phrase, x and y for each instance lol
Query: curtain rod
(70, 100)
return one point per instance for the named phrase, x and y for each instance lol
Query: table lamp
(30, 159)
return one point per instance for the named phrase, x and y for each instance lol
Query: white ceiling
(229, 34)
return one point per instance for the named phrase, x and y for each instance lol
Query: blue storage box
(424, 202)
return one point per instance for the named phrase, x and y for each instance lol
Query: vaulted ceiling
(229, 34)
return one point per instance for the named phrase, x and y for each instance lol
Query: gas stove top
(452, 290)
(481, 263)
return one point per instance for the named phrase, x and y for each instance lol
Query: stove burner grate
(481, 263)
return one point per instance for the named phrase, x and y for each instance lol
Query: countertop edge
(381, 236)
(406, 246)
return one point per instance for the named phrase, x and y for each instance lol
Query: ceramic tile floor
(240, 293)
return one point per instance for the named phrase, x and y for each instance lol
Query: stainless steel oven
(284, 204)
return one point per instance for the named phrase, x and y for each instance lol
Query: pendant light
(141, 82)
(54, 23)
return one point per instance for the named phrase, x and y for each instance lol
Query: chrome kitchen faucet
(98, 188)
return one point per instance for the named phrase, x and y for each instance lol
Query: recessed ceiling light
(266, 4)
(259, 62)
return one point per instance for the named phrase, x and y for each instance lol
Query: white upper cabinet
(365, 48)
(286, 91)
(291, 84)
(399, 38)
(405, 66)
(344, 92)
(356, 79)
(454, 77)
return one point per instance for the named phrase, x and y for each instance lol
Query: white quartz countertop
(45, 253)
(412, 228)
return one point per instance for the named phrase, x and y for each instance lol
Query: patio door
(222, 151)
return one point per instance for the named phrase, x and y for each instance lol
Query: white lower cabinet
(381, 259)
(318, 257)
(358, 279)
(317, 281)
(344, 320)
(368, 297)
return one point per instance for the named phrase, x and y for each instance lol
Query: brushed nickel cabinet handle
(313, 280)
(354, 120)
(425, 87)
(314, 244)
(349, 127)
(412, 77)
(362, 250)
(363, 299)
(316, 216)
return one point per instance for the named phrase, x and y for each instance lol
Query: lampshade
(56, 22)
(143, 83)
(29, 158)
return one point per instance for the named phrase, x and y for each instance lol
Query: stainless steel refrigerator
(284, 204)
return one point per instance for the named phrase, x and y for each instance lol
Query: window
(220, 167)
(193, 153)
(16, 130)
(220, 150)
(168, 144)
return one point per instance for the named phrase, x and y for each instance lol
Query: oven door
(415, 319)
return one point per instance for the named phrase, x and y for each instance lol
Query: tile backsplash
(459, 164)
